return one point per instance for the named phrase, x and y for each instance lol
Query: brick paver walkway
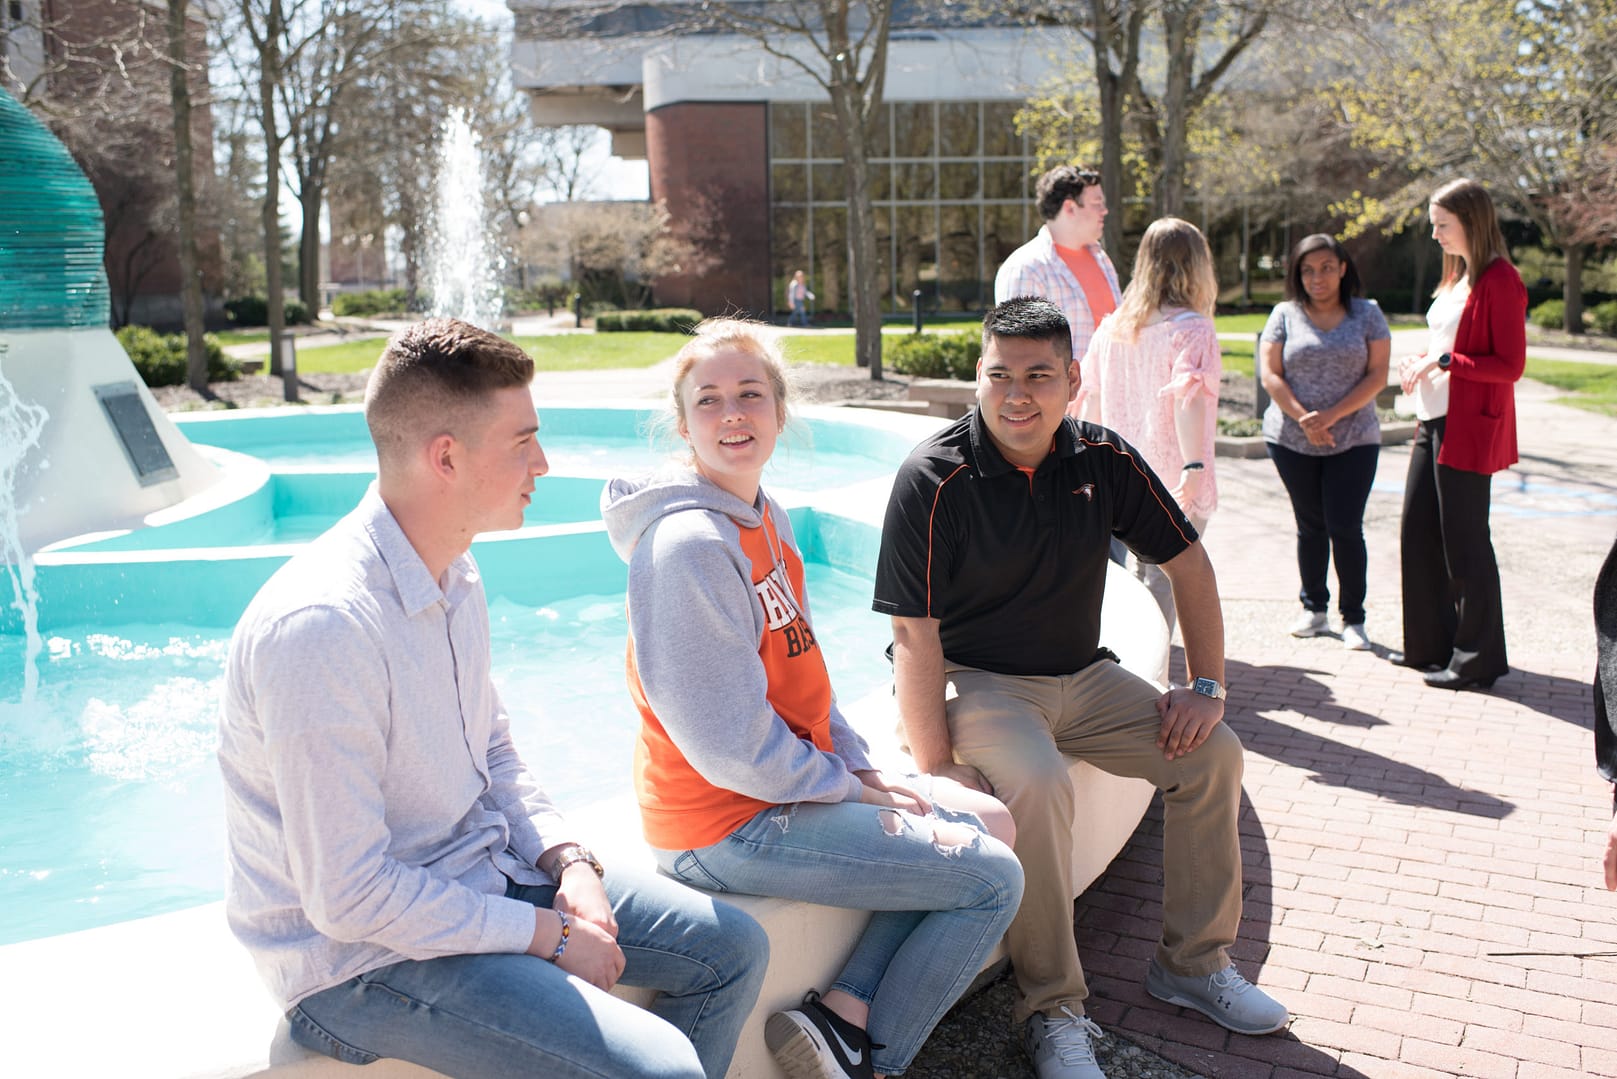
(1422, 868)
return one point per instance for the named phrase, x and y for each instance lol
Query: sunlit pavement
(1422, 867)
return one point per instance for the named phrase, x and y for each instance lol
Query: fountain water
(20, 427)
(465, 264)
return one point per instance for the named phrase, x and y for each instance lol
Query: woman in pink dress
(1151, 374)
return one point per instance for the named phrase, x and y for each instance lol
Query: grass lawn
(346, 358)
(1593, 386)
(242, 337)
(1238, 356)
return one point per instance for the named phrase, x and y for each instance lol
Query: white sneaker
(1354, 638)
(1311, 624)
(1061, 1046)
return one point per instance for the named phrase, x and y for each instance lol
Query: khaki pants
(1018, 731)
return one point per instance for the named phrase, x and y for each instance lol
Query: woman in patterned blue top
(1324, 357)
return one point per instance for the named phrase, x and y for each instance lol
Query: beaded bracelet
(566, 931)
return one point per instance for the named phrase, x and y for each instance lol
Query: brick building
(732, 132)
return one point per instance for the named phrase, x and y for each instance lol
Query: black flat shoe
(1398, 659)
(1447, 679)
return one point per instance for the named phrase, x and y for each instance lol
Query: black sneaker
(813, 1042)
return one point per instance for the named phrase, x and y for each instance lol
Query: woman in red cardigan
(1463, 388)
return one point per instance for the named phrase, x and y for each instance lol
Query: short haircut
(433, 378)
(1029, 317)
(1307, 246)
(1468, 201)
(1060, 184)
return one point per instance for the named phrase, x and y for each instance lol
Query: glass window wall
(951, 182)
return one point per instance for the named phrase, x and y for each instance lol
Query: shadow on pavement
(1118, 922)
(1280, 689)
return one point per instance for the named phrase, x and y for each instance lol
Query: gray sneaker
(1224, 997)
(1060, 1046)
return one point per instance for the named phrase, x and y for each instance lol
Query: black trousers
(1453, 616)
(1328, 495)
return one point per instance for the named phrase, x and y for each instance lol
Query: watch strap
(571, 855)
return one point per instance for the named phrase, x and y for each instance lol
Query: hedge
(1603, 316)
(254, 311)
(160, 357)
(931, 355)
(1549, 315)
(656, 320)
(376, 301)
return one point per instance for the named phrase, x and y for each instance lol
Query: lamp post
(522, 250)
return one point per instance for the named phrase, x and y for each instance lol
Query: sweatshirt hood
(630, 506)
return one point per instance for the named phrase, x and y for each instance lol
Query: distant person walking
(1151, 373)
(1465, 399)
(1065, 262)
(1324, 357)
(798, 297)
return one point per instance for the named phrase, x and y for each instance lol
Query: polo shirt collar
(417, 590)
(990, 462)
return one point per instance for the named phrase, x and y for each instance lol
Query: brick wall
(709, 163)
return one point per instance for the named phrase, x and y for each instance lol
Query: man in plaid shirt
(1065, 262)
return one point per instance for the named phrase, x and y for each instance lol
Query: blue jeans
(939, 910)
(500, 1015)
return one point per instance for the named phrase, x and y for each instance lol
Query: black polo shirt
(1012, 564)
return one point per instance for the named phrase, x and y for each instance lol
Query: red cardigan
(1490, 349)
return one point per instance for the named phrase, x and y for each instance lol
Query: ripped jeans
(939, 908)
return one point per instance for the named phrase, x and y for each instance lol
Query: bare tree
(196, 352)
(841, 45)
(1197, 43)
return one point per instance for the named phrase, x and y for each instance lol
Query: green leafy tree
(1521, 95)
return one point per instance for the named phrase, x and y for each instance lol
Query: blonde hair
(1174, 268)
(1468, 201)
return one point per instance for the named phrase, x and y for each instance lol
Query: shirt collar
(413, 581)
(990, 462)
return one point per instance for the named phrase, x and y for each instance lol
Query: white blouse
(1431, 394)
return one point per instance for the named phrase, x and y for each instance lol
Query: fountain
(465, 265)
(83, 446)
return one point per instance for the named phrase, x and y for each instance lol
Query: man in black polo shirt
(993, 565)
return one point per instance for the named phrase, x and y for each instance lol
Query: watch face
(1207, 688)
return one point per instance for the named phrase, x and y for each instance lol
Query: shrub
(934, 355)
(1548, 315)
(160, 358)
(1603, 316)
(254, 311)
(378, 301)
(657, 320)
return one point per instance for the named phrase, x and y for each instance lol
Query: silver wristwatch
(1208, 688)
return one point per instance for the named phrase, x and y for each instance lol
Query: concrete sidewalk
(1423, 868)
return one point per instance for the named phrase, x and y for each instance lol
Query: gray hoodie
(697, 623)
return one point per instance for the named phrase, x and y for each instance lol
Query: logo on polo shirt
(1087, 490)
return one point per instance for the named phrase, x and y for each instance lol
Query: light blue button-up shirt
(374, 801)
